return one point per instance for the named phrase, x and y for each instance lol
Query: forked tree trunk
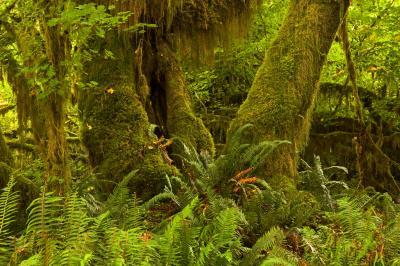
(281, 100)
(131, 97)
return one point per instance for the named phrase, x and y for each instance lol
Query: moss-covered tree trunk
(47, 113)
(281, 100)
(116, 129)
(181, 120)
(57, 48)
(6, 161)
(141, 88)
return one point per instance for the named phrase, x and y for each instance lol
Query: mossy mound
(118, 136)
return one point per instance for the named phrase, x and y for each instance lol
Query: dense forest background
(192, 132)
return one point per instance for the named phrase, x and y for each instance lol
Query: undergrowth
(219, 213)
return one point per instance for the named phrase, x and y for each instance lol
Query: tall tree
(281, 100)
(143, 86)
(130, 78)
(38, 76)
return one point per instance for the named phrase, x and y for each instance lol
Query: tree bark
(181, 120)
(116, 128)
(143, 86)
(6, 161)
(281, 100)
(48, 113)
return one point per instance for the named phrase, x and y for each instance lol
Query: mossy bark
(119, 139)
(116, 127)
(6, 161)
(47, 114)
(281, 99)
(49, 122)
(181, 120)
(143, 86)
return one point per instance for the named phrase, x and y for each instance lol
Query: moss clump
(118, 136)
(281, 100)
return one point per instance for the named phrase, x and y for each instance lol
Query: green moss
(117, 134)
(6, 161)
(144, 85)
(281, 100)
(181, 120)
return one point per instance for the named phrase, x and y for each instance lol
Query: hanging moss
(212, 23)
(281, 100)
(47, 114)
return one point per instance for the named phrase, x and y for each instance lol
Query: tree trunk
(116, 128)
(132, 97)
(47, 114)
(181, 120)
(57, 46)
(6, 161)
(281, 100)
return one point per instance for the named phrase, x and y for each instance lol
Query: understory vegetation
(207, 219)
(191, 132)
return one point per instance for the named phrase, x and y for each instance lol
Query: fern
(220, 241)
(77, 238)
(117, 202)
(168, 241)
(238, 157)
(8, 210)
(316, 180)
(356, 235)
(272, 261)
(44, 220)
(391, 236)
(274, 237)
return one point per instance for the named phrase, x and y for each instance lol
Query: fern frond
(44, 220)
(135, 215)
(77, 238)
(168, 242)
(33, 260)
(274, 237)
(392, 238)
(101, 228)
(157, 199)
(8, 210)
(276, 261)
(118, 201)
(354, 221)
(220, 240)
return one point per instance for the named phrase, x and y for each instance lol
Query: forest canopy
(192, 132)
